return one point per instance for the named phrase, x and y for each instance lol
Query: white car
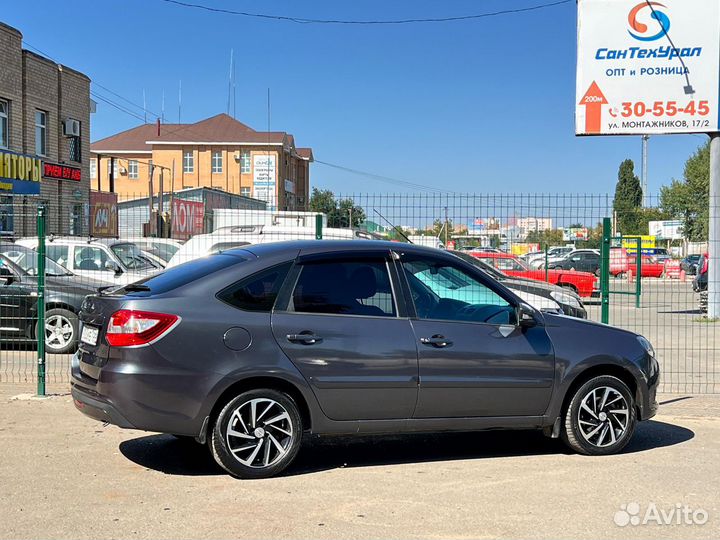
(537, 259)
(159, 250)
(224, 238)
(112, 261)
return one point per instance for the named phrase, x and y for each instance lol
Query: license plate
(89, 335)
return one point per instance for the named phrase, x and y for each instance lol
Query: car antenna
(397, 230)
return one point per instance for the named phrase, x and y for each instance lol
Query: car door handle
(307, 339)
(436, 341)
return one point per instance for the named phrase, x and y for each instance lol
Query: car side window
(59, 254)
(257, 292)
(444, 291)
(90, 258)
(349, 287)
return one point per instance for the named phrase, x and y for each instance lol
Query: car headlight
(646, 345)
(564, 298)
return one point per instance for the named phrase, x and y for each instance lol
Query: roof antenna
(144, 107)
(179, 100)
(397, 230)
(231, 86)
(162, 110)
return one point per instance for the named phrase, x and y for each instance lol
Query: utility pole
(645, 194)
(99, 160)
(112, 175)
(714, 229)
(446, 226)
(161, 190)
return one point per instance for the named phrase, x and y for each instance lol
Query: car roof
(69, 240)
(494, 255)
(330, 246)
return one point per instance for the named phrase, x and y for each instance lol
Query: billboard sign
(575, 234)
(187, 218)
(666, 230)
(647, 67)
(19, 174)
(264, 179)
(103, 214)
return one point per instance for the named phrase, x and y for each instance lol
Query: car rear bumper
(98, 408)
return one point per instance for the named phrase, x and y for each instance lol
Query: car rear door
(474, 361)
(343, 324)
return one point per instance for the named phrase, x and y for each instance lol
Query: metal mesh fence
(524, 240)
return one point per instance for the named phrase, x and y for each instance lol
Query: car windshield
(160, 250)
(131, 256)
(27, 260)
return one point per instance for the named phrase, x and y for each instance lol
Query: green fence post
(318, 226)
(41, 300)
(638, 272)
(605, 272)
(547, 278)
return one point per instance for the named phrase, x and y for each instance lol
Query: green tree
(689, 199)
(338, 213)
(628, 199)
(548, 237)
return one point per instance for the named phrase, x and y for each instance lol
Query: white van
(112, 261)
(429, 241)
(224, 238)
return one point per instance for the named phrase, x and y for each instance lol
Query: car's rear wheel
(601, 417)
(61, 331)
(257, 434)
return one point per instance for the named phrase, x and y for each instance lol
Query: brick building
(218, 152)
(44, 135)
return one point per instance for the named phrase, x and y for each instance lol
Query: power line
(303, 20)
(381, 178)
(126, 100)
(117, 106)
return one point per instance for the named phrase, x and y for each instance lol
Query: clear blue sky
(477, 106)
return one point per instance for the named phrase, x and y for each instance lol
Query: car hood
(531, 285)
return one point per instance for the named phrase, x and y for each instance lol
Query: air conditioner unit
(71, 128)
(123, 170)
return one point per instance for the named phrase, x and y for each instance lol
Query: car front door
(474, 360)
(17, 301)
(345, 329)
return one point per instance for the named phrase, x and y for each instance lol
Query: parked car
(660, 255)
(582, 283)
(700, 282)
(159, 250)
(583, 260)
(537, 259)
(64, 293)
(538, 294)
(225, 238)
(247, 349)
(690, 263)
(104, 259)
(622, 263)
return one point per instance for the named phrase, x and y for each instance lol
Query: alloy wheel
(59, 332)
(260, 433)
(603, 416)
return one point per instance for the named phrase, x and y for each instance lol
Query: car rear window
(181, 275)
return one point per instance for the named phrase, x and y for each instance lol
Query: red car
(584, 283)
(650, 266)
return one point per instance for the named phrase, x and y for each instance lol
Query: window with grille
(4, 127)
(245, 166)
(75, 149)
(93, 169)
(188, 162)
(217, 162)
(133, 172)
(245, 191)
(40, 133)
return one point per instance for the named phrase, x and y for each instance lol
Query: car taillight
(131, 328)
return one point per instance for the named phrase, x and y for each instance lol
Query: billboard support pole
(714, 229)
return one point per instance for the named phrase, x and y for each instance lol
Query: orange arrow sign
(593, 100)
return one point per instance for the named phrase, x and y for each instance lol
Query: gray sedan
(247, 349)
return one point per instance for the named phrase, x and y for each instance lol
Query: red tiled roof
(132, 139)
(219, 129)
(305, 153)
(215, 130)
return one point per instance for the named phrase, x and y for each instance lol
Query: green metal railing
(605, 271)
(41, 217)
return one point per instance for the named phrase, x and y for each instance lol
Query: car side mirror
(113, 267)
(526, 316)
(6, 276)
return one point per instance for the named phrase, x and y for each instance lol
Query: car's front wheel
(257, 434)
(601, 417)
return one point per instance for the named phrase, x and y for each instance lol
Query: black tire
(576, 436)
(221, 441)
(70, 341)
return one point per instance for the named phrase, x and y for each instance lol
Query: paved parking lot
(66, 476)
